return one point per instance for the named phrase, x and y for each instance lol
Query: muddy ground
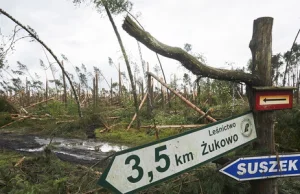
(80, 151)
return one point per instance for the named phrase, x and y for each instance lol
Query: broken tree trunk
(39, 103)
(182, 98)
(261, 48)
(173, 126)
(187, 60)
(134, 117)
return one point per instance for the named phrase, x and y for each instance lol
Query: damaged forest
(63, 122)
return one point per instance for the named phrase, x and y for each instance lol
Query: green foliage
(115, 6)
(5, 106)
(287, 127)
(41, 174)
(5, 118)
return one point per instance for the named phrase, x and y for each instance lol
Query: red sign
(273, 99)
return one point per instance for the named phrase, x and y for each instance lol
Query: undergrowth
(44, 174)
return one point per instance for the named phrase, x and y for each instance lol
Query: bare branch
(187, 60)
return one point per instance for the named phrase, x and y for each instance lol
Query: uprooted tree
(261, 48)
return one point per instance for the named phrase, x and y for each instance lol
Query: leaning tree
(34, 35)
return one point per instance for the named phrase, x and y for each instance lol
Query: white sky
(218, 29)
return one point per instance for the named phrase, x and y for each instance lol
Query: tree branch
(187, 60)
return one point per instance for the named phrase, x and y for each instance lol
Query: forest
(59, 131)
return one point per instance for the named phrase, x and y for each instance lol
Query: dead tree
(261, 47)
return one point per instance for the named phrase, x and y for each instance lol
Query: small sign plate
(273, 100)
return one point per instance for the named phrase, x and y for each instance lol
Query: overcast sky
(219, 30)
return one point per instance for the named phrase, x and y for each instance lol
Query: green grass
(134, 137)
(44, 174)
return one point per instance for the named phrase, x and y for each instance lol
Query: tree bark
(187, 60)
(127, 65)
(50, 51)
(261, 48)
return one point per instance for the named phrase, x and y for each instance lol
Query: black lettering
(178, 160)
(210, 133)
(204, 152)
(187, 157)
(222, 143)
(217, 144)
(229, 140)
(235, 137)
(212, 149)
(234, 125)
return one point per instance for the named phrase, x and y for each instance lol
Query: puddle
(75, 149)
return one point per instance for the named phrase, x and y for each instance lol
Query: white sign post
(137, 168)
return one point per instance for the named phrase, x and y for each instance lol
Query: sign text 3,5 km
(136, 168)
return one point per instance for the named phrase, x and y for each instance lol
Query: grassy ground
(44, 174)
(47, 174)
(133, 136)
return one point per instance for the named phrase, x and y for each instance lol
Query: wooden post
(261, 48)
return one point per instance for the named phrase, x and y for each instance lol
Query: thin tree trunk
(50, 51)
(111, 92)
(127, 65)
(120, 85)
(97, 89)
(65, 88)
(134, 116)
(46, 94)
(289, 59)
(149, 102)
(163, 72)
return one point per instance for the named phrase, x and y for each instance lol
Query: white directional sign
(137, 168)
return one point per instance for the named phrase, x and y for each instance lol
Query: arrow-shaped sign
(137, 168)
(263, 167)
(274, 99)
